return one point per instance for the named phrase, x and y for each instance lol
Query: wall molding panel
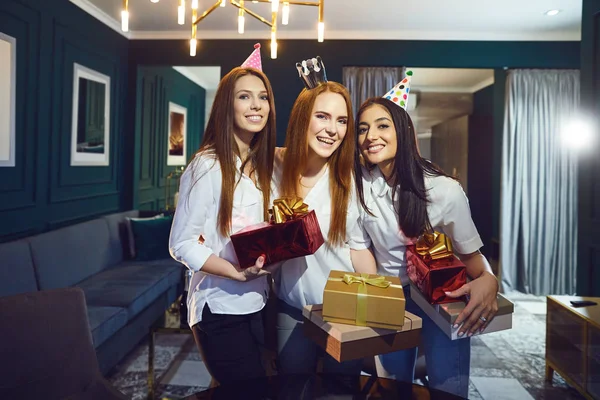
(43, 192)
(157, 86)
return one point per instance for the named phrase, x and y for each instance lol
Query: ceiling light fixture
(552, 13)
(242, 11)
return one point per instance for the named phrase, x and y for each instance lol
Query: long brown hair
(408, 172)
(340, 162)
(218, 140)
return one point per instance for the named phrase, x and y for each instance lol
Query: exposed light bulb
(285, 13)
(125, 21)
(154, 1)
(321, 31)
(193, 45)
(274, 5)
(223, 2)
(552, 13)
(194, 4)
(241, 23)
(273, 49)
(181, 14)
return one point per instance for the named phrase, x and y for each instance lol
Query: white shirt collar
(379, 186)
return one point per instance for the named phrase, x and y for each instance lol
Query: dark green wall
(156, 87)
(43, 191)
(588, 267)
(481, 149)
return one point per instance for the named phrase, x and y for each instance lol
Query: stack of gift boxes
(364, 315)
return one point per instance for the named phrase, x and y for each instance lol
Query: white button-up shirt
(195, 216)
(448, 212)
(301, 281)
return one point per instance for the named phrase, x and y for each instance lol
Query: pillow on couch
(130, 245)
(151, 237)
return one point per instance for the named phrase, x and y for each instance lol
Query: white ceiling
(450, 80)
(359, 19)
(207, 77)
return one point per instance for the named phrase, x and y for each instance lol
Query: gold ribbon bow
(288, 208)
(361, 303)
(434, 246)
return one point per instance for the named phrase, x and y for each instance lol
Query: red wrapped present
(434, 269)
(293, 232)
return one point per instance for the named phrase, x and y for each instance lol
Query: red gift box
(434, 269)
(293, 232)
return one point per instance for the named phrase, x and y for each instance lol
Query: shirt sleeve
(457, 222)
(196, 195)
(358, 237)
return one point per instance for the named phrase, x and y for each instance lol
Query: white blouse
(195, 216)
(301, 281)
(448, 212)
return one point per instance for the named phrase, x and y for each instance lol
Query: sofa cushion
(105, 321)
(16, 269)
(69, 255)
(118, 235)
(131, 285)
(151, 237)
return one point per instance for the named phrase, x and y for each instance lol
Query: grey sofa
(123, 297)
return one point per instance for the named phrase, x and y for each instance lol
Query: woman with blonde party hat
(403, 196)
(226, 187)
(316, 165)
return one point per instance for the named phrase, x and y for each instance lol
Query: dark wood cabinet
(573, 343)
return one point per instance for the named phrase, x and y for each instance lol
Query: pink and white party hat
(253, 60)
(399, 93)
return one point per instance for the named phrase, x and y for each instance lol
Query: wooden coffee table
(573, 343)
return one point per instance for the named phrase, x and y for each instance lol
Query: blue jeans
(297, 354)
(448, 361)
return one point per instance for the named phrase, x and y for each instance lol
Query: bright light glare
(578, 134)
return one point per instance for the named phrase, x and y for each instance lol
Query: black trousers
(230, 345)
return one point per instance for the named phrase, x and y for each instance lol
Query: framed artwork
(90, 129)
(8, 90)
(177, 137)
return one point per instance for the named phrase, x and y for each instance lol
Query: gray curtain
(539, 183)
(365, 82)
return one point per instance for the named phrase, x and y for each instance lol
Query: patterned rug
(504, 365)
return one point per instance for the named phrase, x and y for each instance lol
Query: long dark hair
(340, 162)
(408, 172)
(218, 140)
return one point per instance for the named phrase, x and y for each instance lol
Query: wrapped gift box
(348, 342)
(444, 315)
(434, 269)
(364, 300)
(295, 233)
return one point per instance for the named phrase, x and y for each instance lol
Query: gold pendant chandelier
(242, 11)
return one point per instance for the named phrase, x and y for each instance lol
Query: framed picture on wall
(90, 129)
(8, 90)
(177, 135)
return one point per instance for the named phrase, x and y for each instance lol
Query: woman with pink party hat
(403, 196)
(227, 187)
(316, 165)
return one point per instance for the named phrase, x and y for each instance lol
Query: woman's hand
(482, 305)
(255, 271)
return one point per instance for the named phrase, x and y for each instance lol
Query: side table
(170, 323)
(573, 343)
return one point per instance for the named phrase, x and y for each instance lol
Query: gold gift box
(364, 300)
